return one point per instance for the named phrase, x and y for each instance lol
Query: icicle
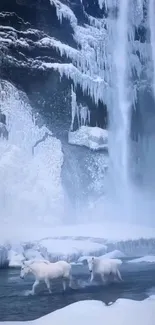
(73, 106)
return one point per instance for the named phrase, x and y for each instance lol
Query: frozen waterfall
(114, 63)
(30, 187)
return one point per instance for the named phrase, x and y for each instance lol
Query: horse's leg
(119, 275)
(64, 284)
(34, 287)
(70, 281)
(103, 278)
(91, 277)
(48, 285)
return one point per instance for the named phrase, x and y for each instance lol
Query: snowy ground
(89, 312)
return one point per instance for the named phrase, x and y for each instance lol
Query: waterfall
(152, 36)
(121, 104)
(30, 189)
(111, 64)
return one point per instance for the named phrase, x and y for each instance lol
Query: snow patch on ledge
(94, 138)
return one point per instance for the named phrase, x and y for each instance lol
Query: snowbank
(123, 312)
(50, 249)
(69, 249)
(91, 137)
(72, 242)
(144, 259)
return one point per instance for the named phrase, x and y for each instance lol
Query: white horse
(104, 268)
(46, 271)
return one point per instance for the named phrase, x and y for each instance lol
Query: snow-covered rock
(114, 254)
(144, 259)
(49, 249)
(69, 249)
(94, 138)
(15, 259)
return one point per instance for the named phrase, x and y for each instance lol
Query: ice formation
(91, 137)
(30, 184)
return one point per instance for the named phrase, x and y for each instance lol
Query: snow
(106, 256)
(144, 259)
(114, 254)
(69, 249)
(94, 138)
(111, 232)
(50, 249)
(89, 312)
(15, 259)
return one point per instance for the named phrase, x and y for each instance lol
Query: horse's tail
(119, 275)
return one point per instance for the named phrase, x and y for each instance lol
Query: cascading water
(152, 36)
(121, 108)
(111, 64)
(30, 188)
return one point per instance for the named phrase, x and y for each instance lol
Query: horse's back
(65, 265)
(106, 266)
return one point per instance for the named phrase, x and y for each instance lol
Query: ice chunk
(147, 259)
(94, 138)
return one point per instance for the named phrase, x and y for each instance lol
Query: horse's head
(25, 269)
(91, 262)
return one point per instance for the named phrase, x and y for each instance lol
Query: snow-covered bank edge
(87, 312)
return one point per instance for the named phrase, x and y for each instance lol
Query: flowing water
(17, 305)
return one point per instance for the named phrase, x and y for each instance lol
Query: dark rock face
(23, 24)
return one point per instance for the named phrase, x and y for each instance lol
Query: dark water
(15, 305)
